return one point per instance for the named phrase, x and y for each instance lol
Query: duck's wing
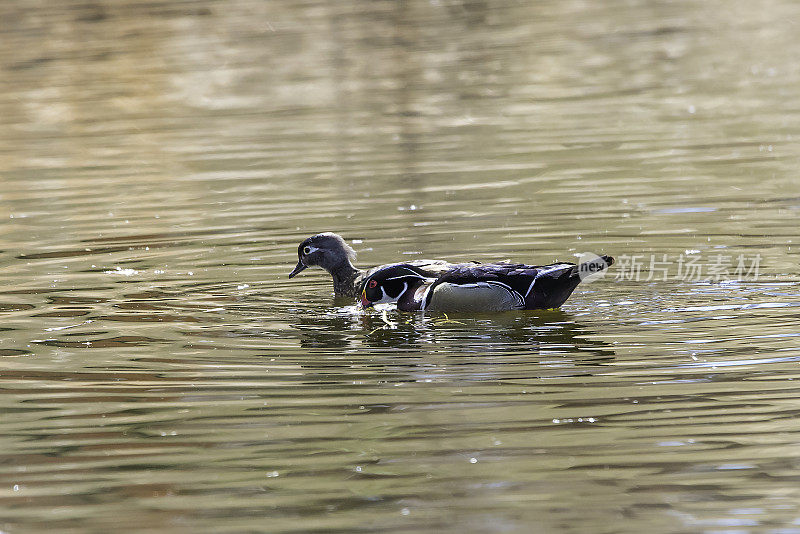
(475, 288)
(502, 286)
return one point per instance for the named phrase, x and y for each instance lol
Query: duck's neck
(344, 279)
(411, 299)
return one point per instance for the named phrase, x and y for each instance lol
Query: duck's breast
(473, 297)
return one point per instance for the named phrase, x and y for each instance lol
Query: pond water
(161, 161)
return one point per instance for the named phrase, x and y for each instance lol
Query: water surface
(161, 161)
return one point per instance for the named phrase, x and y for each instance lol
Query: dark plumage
(330, 252)
(477, 288)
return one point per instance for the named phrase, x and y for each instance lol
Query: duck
(332, 253)
(490, 287)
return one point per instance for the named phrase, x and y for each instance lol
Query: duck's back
(433, 268)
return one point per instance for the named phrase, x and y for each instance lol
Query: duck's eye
(307, 250)
(372, 284)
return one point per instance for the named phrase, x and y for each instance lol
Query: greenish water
(160, 162)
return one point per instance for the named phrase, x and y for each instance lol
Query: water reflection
(162, 160)
(550, 333)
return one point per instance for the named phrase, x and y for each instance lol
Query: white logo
(591, 267)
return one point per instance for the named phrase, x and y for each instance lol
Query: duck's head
(326, 250)
(389, 284)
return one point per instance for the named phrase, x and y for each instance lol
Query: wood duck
(332, 253)
(477, 288)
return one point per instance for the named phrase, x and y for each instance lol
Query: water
(162, 160)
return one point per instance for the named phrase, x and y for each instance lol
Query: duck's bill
(300, 267)
(364, 302)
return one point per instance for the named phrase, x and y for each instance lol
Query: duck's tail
(593, 265)
(552, 288)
